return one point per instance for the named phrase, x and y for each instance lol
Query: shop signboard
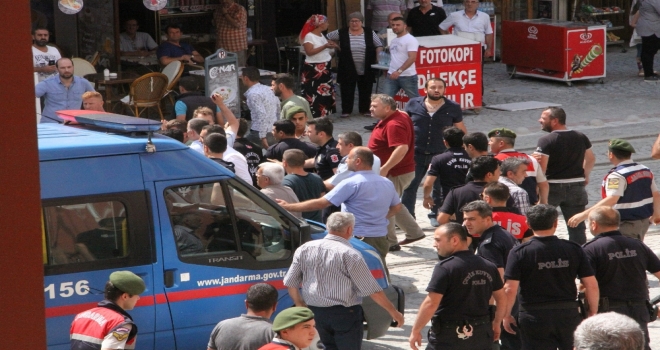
(222, 77)
(454, 59)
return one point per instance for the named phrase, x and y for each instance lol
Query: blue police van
(116, 196)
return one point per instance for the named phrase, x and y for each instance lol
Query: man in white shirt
(402, 73)
(43, 56)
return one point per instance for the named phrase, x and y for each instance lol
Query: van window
(85, 232)
(226, 218)
(97, 232)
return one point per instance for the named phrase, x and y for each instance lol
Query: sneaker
(344, 115)
(395, 248)
(434, 222)
(652, 79)
(641, 73)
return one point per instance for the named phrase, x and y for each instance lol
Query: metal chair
(147, 91)
(173, 72)
(294, 60)
(82, 67)
(281, 43)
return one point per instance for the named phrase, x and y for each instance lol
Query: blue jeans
(408, 84)
(571, 198)
(422, 162)
(339, 327)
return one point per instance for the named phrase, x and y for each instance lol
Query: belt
(615, 304)
(567, 184)
(553, 305)
(451, 324)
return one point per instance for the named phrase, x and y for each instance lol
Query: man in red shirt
(393, 141)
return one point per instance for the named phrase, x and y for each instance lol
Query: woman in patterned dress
(316, 79)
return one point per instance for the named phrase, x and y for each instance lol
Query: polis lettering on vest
(553, 264)
(511, 226)
(622, 255)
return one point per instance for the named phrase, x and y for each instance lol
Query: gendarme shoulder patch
(613, 183)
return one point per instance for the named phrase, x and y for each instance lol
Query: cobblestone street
(623, 107)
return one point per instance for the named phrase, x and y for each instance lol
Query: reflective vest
(90, 327)
(637, 200)
(529, 184)
(516, 224)
(277, 346)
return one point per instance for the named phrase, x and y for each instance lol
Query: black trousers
(548, 329)
(347, 90)
(339, 327)
(638, 313)
(448, 339)
(650, 46)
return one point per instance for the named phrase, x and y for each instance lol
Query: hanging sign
(70, 7)
(154, 5)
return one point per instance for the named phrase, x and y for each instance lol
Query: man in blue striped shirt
(333, 277)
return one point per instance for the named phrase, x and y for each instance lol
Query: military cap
(127, 282)
(291, 317)
(293, 111)
(621, 145)
(502, 132)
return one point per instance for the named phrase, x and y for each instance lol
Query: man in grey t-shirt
(648, 27)
(251, 330)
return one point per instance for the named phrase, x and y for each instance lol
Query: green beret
(502, 132)
(621, 145)
(127, 282)
(293, 111)
(291, 317)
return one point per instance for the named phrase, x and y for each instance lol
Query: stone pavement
(624, 106)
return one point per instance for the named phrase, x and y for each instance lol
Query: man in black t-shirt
(458, 294)
(253, 154)
(566, 158)
(544, 269)
(425, 19)
(485, 169)
(284, 132)
(620, 264)
(327, 156)
(447, 170)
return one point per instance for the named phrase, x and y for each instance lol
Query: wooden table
(108, 83)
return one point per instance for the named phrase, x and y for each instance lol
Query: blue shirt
(58, 97)
(369, 197)
(168, 49)
(428, 128)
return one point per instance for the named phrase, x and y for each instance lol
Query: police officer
(458, 295)
(327, 155)
(629, 188)
(492, 242)
(117, 331)
(545, 268)
(496, 194)
(446, 171)
(620, 264)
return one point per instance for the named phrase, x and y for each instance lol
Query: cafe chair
(81, 67)
(281, 42)
(294, 60)
(94, 60)
(173, 72)
(146, 92)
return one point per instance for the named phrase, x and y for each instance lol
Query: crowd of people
(503, 275)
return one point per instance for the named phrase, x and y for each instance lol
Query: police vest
(529, 184)
(514, 223)
(90, 327)
(637, 200)
(276, 346)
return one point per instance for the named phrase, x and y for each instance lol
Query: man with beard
(282, 86)
(567, 159)
(43, 56)
(61, 92)
(430, 116)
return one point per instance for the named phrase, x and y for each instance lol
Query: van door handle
(169, 278)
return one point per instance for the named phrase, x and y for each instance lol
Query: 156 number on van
(67, 289)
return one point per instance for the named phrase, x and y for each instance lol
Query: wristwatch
(399, 71)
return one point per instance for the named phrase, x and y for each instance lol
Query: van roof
(57, 141)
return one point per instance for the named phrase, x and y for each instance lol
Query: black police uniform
(276, 151)
(620, 264)
(462, 321)
(327, 158)
(494, 245)
(546, 268)
(450, 168)
(460, 196)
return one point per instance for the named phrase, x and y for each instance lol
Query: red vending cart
(563, 51)
(454, 59)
